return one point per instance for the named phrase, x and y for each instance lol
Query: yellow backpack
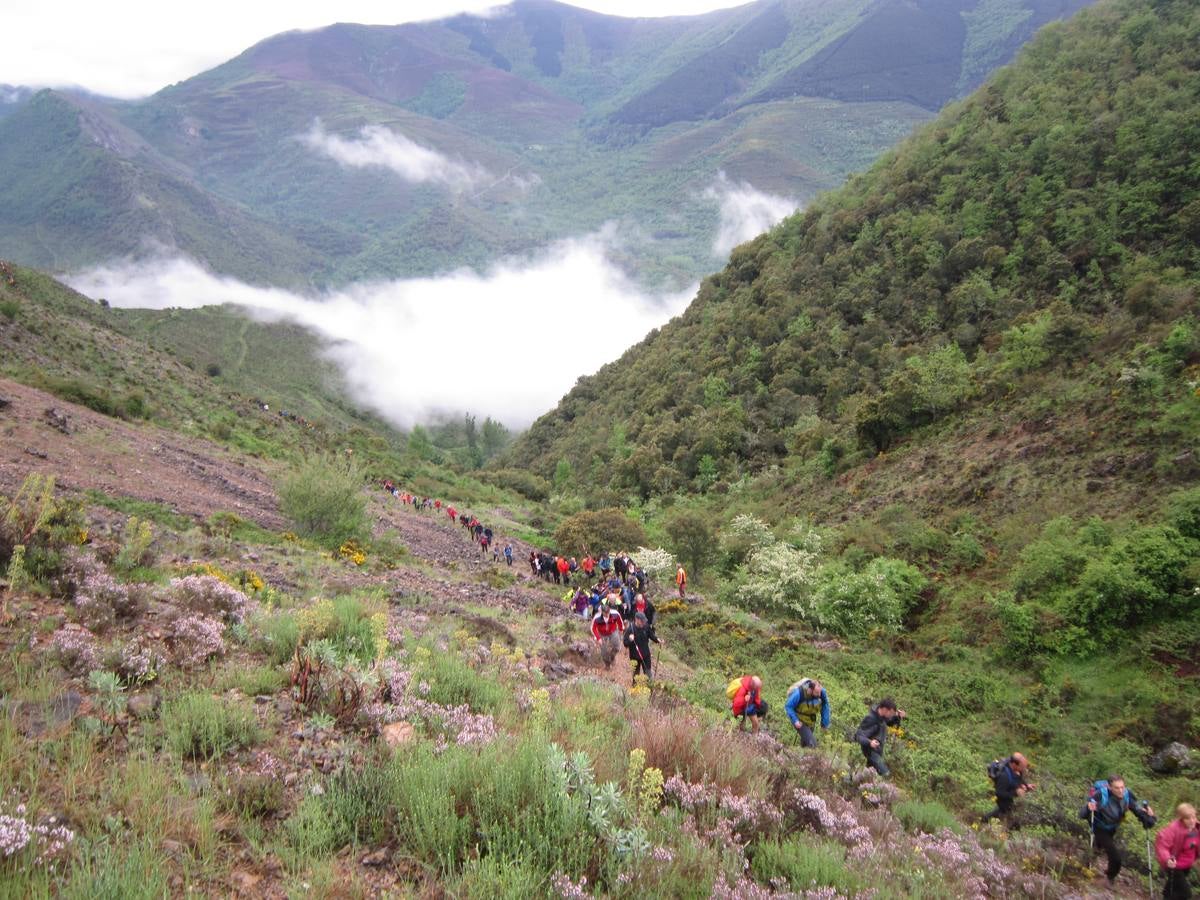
(733, 687)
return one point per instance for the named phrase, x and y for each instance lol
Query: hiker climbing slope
(1108, 802)
(807, 699)
(747, 702)
(1176, 847)
(637, 638)
(1008, 780)
(872, 732)
(606, 629)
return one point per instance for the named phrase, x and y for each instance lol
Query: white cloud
(497, 343)
(745, 212)
(377, 147)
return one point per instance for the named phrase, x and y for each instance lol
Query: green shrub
(453, 683)
(1183, 512)
(804, 865)
(323, 498)
(928, 816)
(499, 877)
(279, 633)
(310, 830)
(605, 529)
(856, 603)
(254, 680)
(524, 483)
(200, 726)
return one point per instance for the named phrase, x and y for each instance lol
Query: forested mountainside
(1033, 249)
(545, 121)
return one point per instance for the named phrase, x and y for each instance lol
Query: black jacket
(874, 728)
(638, 641)
(1007, 783)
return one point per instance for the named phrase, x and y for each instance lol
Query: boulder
(1171, 759)
(144, 705)
(35, 718)
(398, 733)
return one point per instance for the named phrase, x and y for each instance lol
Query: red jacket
(1175, 840)
(602, 628)
(588, 564)
(563, 565)
(745, 694)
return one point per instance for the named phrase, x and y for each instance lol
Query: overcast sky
(131, 48)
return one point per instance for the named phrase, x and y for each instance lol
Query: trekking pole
(1149, 865)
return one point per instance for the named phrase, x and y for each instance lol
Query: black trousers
(807, 738)
(1107, 841)
(1003, 810)
(1176, 885)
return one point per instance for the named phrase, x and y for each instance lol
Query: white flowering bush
(46, 841)
(779, 577)
(658, 563)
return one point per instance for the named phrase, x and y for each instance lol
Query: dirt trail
(86, 450)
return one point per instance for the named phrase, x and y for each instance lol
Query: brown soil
(97, 452)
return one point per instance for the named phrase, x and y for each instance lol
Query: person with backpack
(588, 565)
(1176, 848)
(508, 554)
(642, 605)
(621, 566)
(637, 638)
(746, 696)
(605, 564)
(805, 700)
(607, 627)
(872, 732)
(1008, 780)
(681, 580)
(1108, 802)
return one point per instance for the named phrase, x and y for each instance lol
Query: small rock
(57, 419)
(35, 718)
(378, 858)
(5, 403)
(291, 778)
(398, 733)
(173, 848)
(144, 706)
(262, 699)
(38, 454)
(1171, 759)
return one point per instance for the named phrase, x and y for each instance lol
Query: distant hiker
(681, 580)
(437, 504)
(639, 578)
(605, 564)
(589, 566)
(627, 595)
(872, 733)
(508, 554)
(1108, 801)
(1008, 778)
(452, 513)
(806, 699)
(621, 566)
(533, 563)
(580, 602)
(746, 695)
(642, 605)
(563, 567)
(573, 566)
(606, 629)
(637, 638)
(1176, 848)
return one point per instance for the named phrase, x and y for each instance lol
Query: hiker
(533, 563)
(580, 601)
(1108, 801)
(452, 513)
(627, 595)
(637, 638)
(508, 554)
(563, 568)
(573, 567)
(605, 564)
(681, 580)
(621, 566)
(606, 629)
(1176, 848)
(872, 732)
(639, 579)
(642, 605)
(746, 694)
(588, 565)
(1008, 778)
(805, 699)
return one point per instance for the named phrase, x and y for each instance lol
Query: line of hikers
(1108, 801)
(481, 534)
(621, 615)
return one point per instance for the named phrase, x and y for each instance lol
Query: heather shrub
(324, 500)
(209, 596)
(75, 649)
(198, 726)
(196, 639)
(135, 662)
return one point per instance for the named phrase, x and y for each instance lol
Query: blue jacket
(1111, 809)
(799, 707)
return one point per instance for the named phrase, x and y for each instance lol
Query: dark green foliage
(693, 539)
(596, 532)
(1041, 226)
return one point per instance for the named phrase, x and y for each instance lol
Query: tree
(562, 474)
(605, 529)
(494, 437)
(692, 539)
(323, 497)
(420, 445)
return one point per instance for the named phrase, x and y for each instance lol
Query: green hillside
(578, 119)
(973, 370)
